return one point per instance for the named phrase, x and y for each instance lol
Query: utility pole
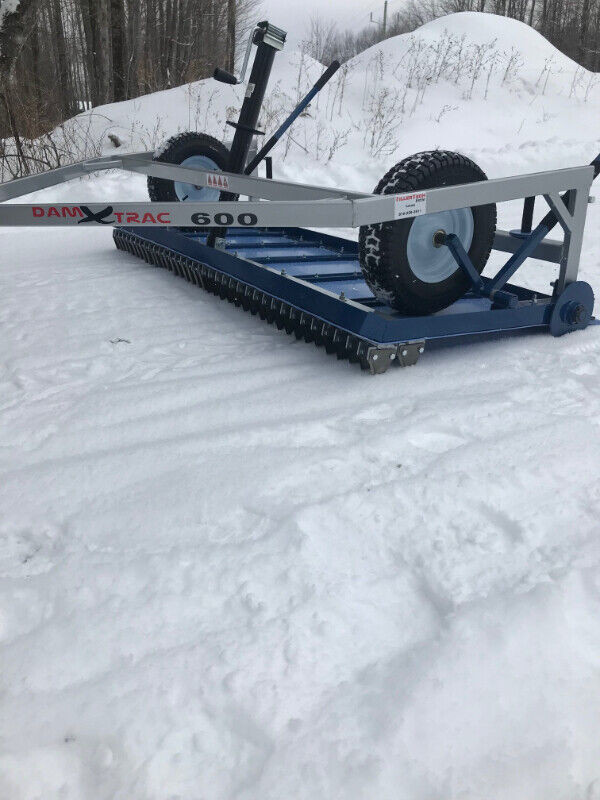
(384, 23)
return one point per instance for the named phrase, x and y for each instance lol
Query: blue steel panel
(319, 270)
(352, 289)
(196, 233)
(336, 243)
(280, 254)
(250, 239)
(259, 241)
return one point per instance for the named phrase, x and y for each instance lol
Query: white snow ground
(233, 567)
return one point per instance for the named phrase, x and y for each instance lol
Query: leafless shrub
(339, 88)
(443, 111)
(382, 121)
(76, 140)
(514, 62)
(544, 75)
(320, 40)
(274, 110)
(479, 57)
(338, 140)
(576, 81)
(453, 60)
(591, 84)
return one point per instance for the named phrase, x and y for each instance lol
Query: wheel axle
(439, 238)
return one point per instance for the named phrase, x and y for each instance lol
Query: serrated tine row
(370, 356)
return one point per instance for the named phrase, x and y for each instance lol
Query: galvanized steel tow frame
(300, 205)
(380, 332)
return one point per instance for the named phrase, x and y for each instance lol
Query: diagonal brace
(463, 260)
(559, 204)
(493, 288)
(514, 262)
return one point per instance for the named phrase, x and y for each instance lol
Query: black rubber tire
(383, 247)
(177, 149)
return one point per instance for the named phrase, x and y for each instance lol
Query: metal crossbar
(144, 164)
(332, 207)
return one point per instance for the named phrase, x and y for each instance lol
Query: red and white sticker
(217, 181)
(410, 205)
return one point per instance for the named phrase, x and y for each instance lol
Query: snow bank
(481, 84)
(234, 567)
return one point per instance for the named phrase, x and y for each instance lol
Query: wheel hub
(192, 193)
(429, 260)
(439, 238)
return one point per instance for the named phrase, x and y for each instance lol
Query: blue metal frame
(320, 274)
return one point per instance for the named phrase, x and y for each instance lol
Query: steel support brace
(461, 257)
(492, 288)
(514, 262)
(571, 218)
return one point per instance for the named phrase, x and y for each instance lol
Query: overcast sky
(294, 15)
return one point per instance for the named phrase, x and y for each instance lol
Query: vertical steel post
(268, 40)
(527, 218)
(577, 204)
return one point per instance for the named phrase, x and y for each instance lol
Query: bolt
(393, 356)
(577, 314)
(283, 272)
(421, 349)
(405, 352)
(375, 357)
(342, 296)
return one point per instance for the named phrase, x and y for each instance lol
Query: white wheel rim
(429, 263)
(189, 192)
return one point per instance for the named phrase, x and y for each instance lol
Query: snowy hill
(232, 567)
(485, 85)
